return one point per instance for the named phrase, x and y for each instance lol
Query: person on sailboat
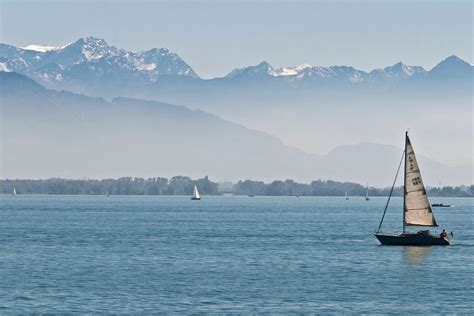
(443, 234)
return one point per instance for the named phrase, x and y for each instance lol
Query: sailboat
(196, 196)
(416, 207)
(367, 193)
(347, 197)
(107, 193)
(14, 191)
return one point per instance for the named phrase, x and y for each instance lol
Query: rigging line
(391, 191)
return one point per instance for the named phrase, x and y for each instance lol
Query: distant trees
(333, 188)
(121, 186)
(181, 185)
(316, 188)
(463, 190)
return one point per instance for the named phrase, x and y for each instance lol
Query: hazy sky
(215, 37)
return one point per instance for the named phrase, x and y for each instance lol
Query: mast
(405, 180)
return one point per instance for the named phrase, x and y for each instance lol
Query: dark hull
(195, 199)
(412, 240)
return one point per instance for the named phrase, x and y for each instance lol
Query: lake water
(140, 254)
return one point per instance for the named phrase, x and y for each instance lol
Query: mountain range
(89, 62)
(46, 133)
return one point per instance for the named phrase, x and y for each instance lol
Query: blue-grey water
(140, 254)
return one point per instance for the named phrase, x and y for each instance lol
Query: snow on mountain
(263, 68)
(397, 71)
(41, 48)
(343, 73)
(4, 68)
(163, 62)
(91, 66)
(290, 71)
(91, 61)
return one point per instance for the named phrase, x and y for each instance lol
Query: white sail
(14, 191)
(417, 208)
(196, 193)
(367, 192)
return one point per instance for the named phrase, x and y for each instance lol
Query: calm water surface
(265, 254)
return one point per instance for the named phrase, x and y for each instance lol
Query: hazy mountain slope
(47, 134)
(377, 164)
(349, 105)
(301, 105)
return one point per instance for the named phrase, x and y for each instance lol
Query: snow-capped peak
(396, 71)
(402, 69)
(263, 68)
(93, 48)
(93, 56)
(289, 71)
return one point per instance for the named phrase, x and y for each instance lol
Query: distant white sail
(347, 197)
(196, 193)
(367, 192)
(417, 208)
(14, 191)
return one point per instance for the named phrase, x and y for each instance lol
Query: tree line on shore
(180, 185)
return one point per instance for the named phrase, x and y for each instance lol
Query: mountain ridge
(56, 66)
(64, 134)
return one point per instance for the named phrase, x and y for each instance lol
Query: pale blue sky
(216, 37)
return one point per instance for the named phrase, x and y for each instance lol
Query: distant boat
(251, 195)
(107, 193)
(367, 193)
(347, 197)
(440, 205)
(14, 191)
(196, 196)
(416, 208)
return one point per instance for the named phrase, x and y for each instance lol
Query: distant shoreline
(218, 195)
(181, 185)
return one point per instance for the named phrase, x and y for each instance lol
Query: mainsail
(417, 208)
(196, 193)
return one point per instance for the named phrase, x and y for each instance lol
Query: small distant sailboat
(367, 193)
(196, 196)
(440, 205)
(107, 193)
(14, 191)
(347, 197)
(416, 208)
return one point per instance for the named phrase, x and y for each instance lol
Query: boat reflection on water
(416, 254)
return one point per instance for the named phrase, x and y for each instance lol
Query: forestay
(417, 208)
